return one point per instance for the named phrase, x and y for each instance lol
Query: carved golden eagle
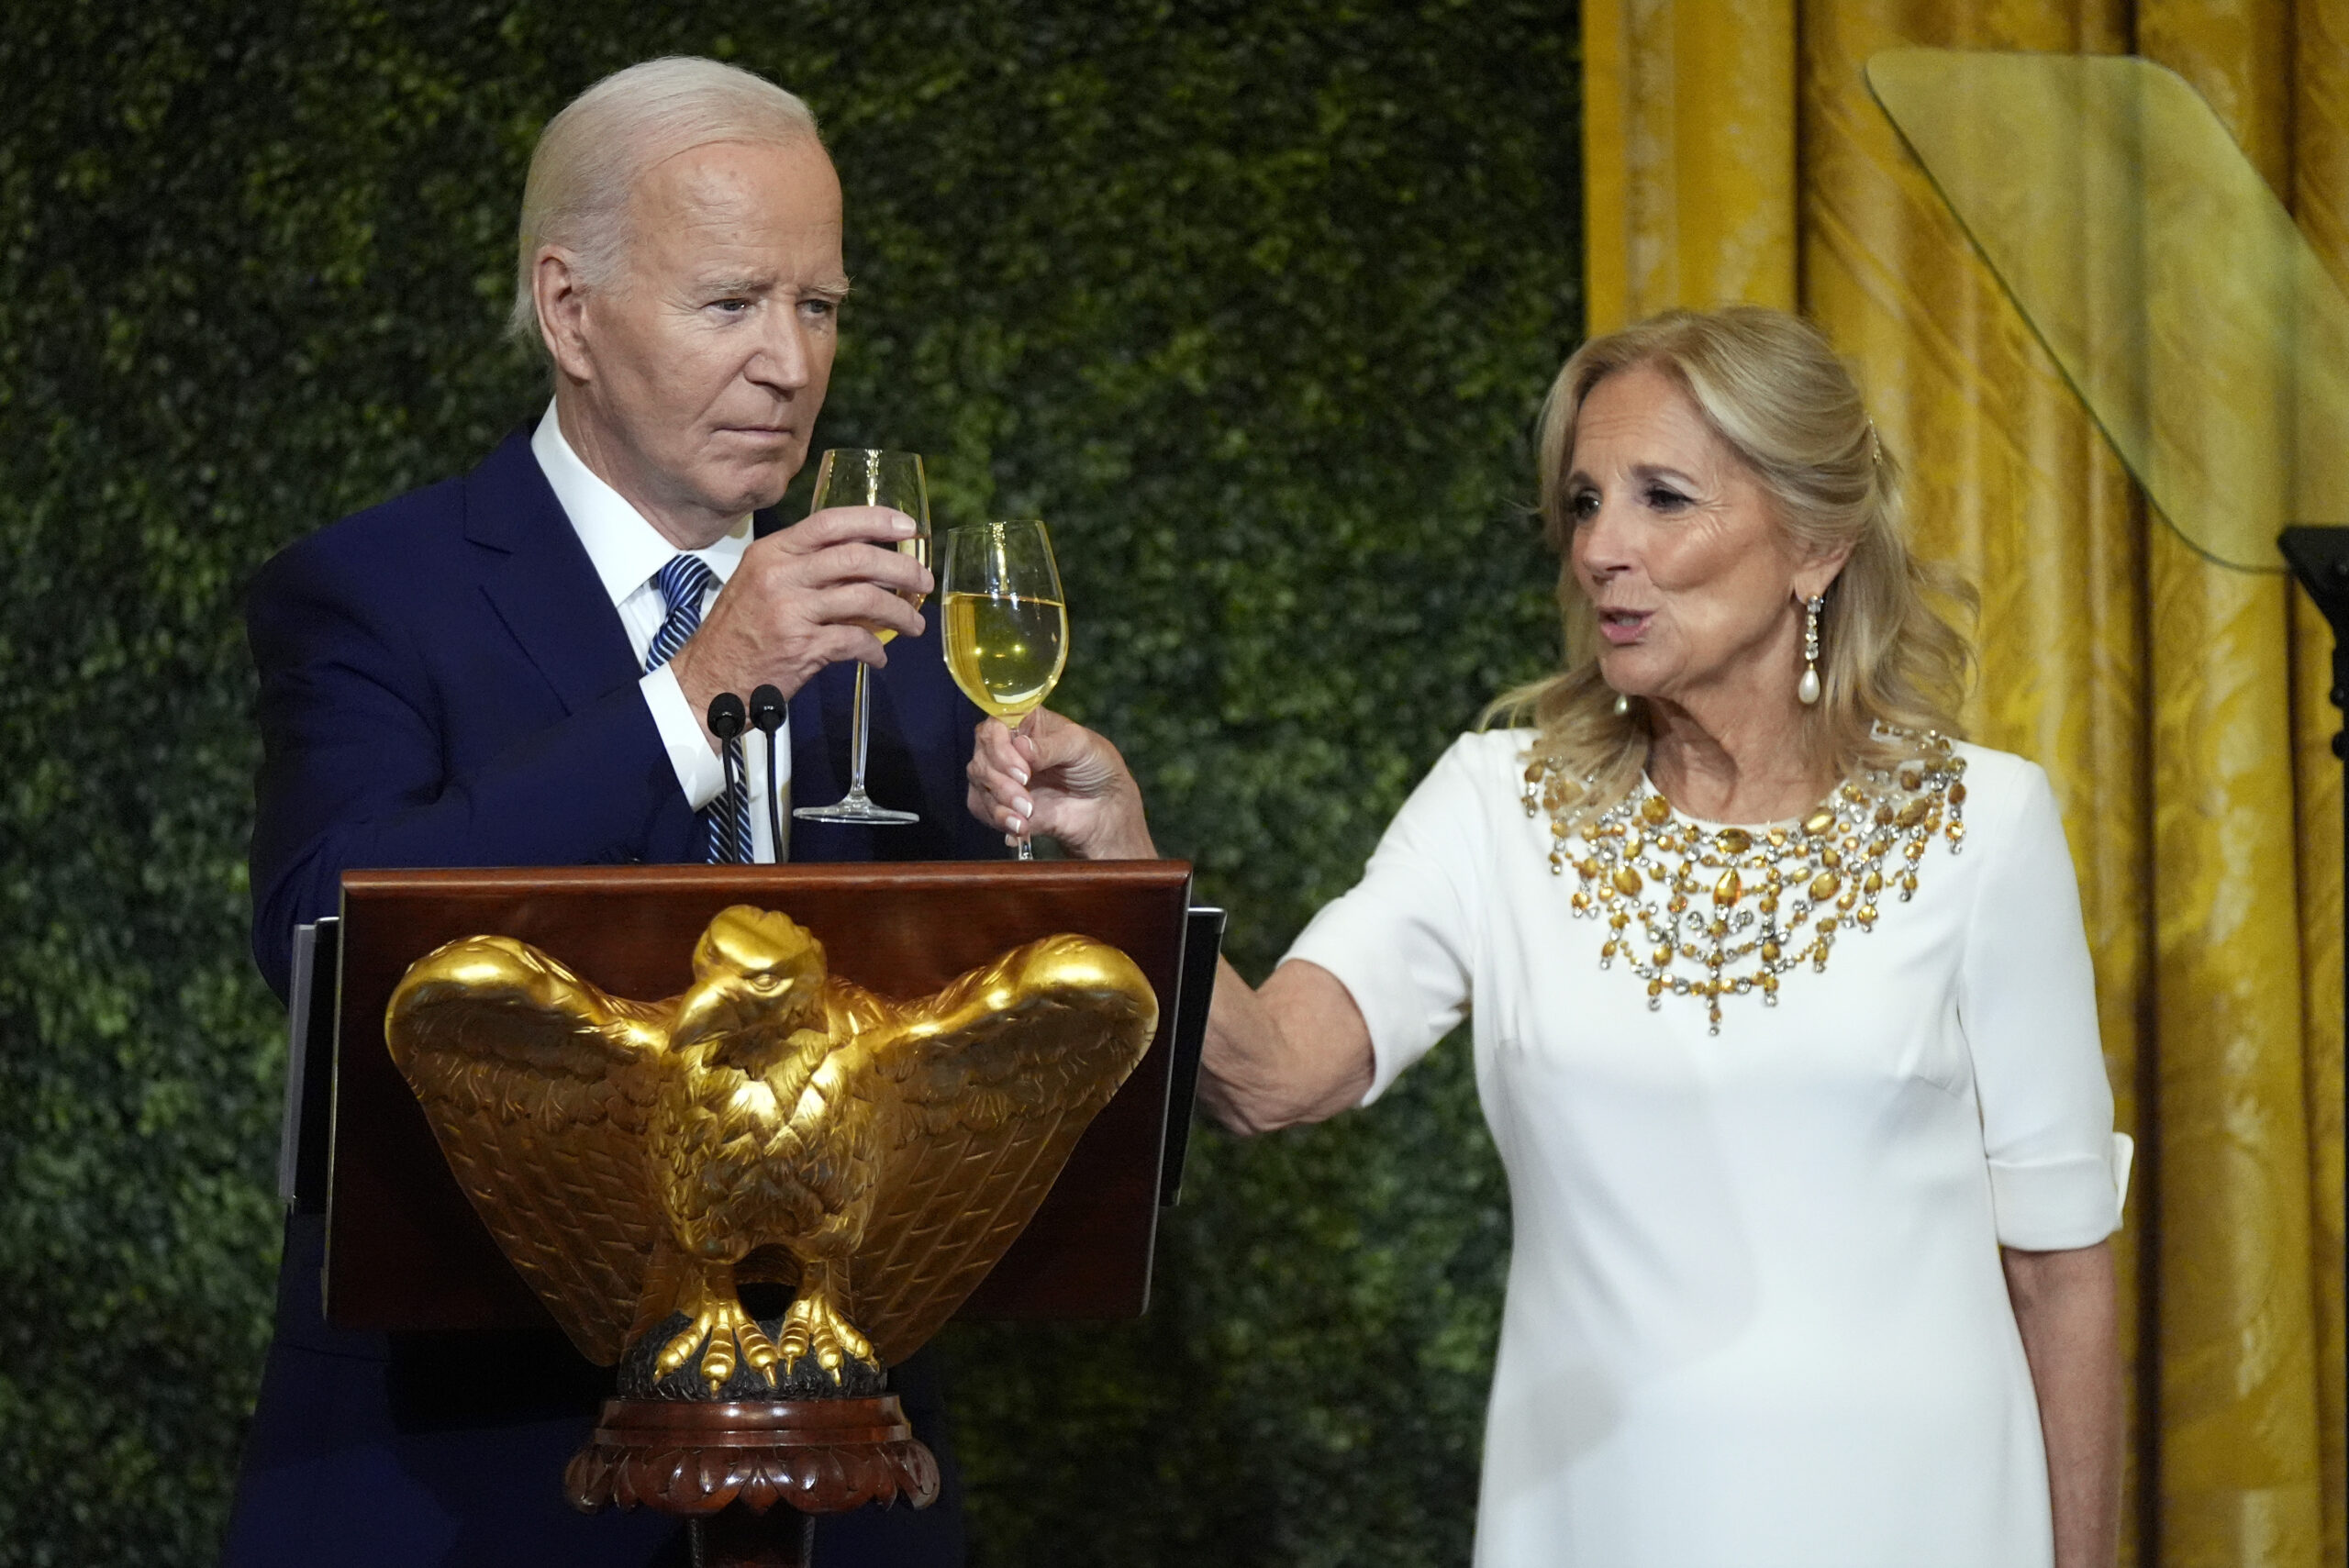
(635, 1159)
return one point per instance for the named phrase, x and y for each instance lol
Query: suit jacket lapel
(536, 576)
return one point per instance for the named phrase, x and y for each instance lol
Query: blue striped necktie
(683, 584)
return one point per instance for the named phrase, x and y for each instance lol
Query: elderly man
(512, 668)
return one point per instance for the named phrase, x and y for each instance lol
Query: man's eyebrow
(835, 287)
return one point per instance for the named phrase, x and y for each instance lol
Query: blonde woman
(1781, 1008)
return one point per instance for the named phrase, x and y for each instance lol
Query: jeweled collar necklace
(1727, 911)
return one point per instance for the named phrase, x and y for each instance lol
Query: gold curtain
(1732, 153)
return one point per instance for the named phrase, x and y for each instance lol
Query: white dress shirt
(627, 552)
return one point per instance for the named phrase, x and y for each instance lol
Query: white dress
(1756, 1312)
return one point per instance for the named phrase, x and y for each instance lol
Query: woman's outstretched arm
(1294, 1049)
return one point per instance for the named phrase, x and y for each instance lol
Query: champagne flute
(1007, 622)
(853, 476)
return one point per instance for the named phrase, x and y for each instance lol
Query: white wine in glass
(855, 476)
(1007, 621)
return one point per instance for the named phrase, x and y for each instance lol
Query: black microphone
(726, 721)
(767, 712)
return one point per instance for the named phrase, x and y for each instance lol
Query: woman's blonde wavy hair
(1891, 664)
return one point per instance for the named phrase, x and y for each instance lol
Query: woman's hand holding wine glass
(1053, 775)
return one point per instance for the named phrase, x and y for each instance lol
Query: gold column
(1689, 132)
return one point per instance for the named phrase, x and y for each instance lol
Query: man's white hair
(591, 155)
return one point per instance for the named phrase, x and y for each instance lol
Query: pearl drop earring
(1807, 691)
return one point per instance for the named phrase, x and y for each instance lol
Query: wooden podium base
(750, 1477)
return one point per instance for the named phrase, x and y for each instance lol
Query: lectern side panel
(407, 1249)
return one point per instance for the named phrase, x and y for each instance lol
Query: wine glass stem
(858, 734)
(1026, 853)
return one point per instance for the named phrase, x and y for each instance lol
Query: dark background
(1254, 302)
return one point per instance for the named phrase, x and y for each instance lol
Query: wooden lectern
(406, 1251)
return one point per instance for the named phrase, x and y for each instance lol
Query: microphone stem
(774, 800)
(738, 795)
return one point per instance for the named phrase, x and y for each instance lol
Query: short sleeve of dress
(2027, 1002)
(1404, 940)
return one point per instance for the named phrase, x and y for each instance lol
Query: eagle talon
(815, 1327)
(734, 1339)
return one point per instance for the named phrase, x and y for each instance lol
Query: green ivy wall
(1253, 302)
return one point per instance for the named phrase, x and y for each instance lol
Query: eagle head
(756, 975)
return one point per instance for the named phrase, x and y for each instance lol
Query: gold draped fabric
(1734, 154)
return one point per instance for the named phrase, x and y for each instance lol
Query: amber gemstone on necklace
(1627, 882)
(1655, 808)
(1820, 821)
(1823, 886)
(1727, 890)
(1732, 840)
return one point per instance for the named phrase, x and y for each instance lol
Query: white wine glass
(857, 477)
(1007, 622)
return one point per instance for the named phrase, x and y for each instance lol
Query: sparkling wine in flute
(851, 476)
(1005, 651)
(919, 548)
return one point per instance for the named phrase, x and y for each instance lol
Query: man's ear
(561, 300)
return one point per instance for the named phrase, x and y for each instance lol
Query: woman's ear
(1815, 575)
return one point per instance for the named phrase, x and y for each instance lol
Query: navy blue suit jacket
(444, 681)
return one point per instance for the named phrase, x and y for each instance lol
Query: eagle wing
(538, 1086)
(990, 1083)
